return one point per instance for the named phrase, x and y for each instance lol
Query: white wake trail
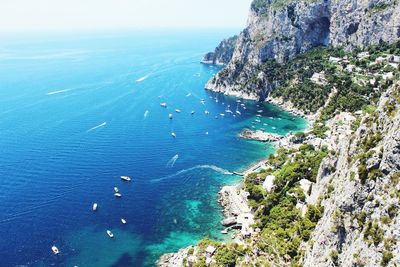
(96, 127)
(211, 167)
(172, 161)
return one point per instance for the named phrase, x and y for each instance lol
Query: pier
(252, 168)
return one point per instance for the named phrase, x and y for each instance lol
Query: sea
(80, 110)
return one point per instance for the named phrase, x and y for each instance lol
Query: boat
(94, 206)
(228, 111)
(177, 110)
(225, 231)
(222, 114)
(260, 111)
(126, 178)
(206, 112)
(206, 133)
(116, 190)
(110, 234)
(55, 250)
(173, 135)
(123, 221)
(258, 115)
(192, 112)
(164, 105)
(170, 116)
(117, 195)
(274, 128)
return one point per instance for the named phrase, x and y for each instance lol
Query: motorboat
(123, 221)
(110, 234)
(173, 135)
(126, 178)
(55, 250)
(164, 105)
(116, 190)
(178, 111)
(118, 195)
(94, 206)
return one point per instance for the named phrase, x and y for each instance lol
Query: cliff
(329, 196)
(281, 29)
(222, 53)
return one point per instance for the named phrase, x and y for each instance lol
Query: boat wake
(58, 92)
(211, 167)
(172, 161)
(141, 79)
(96, 127)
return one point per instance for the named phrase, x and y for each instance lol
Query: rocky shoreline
(260, 135)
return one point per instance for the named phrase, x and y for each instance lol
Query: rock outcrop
(279, 30)
(223, 52)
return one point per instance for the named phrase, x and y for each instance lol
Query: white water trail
(146, 113)
(141, 79)
(58, 92)
(172, 161)
(98, 126)
(211, 167)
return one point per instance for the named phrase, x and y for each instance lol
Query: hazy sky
(43, 15)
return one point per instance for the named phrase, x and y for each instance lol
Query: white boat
(170, 116)
(164, 105)
(55, 250)
(192, 112)
(260, 111)
(117, 195)
(228, 111)
(238, 112)
(177, 110)
(222, 114)
(258, 115)
(110, 234)
(123, 221)
(242, 105)
(94, 206)
(206, 112)
(274, 128)
(173, 135)
(206, 133)
(116, 190)
(126, 178)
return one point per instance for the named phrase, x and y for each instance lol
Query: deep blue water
(55, 162)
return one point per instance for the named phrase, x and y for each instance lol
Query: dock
(254, 167)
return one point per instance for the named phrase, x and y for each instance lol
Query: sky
(59, 15)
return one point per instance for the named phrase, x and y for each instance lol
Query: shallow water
(78, 111)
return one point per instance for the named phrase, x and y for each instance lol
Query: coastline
(233, 198)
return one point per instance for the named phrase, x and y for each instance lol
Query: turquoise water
(78, 111)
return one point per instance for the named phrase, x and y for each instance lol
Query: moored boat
(126, 178)
(110, 234)
(94, 206)
(55, 250)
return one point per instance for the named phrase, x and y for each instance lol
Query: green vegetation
(373, 233)
(283, 227)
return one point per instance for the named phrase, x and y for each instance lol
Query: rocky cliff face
(361, 223)
(222, 53)
(280, 29)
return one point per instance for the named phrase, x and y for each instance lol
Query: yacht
(164, 105)
(126, 178)
(177, 110)
(222, 114)
(55, 250)
(110, 234)
(173, 135)
(94, 206)
(116, 190)
(117, 195)
(123, 221)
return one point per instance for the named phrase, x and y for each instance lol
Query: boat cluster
(95, 207)
(228, 110)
